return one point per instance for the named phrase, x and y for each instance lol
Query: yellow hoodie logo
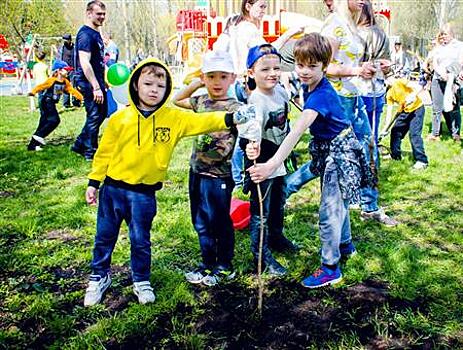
(162, 135)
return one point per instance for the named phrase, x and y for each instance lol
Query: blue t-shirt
(330, 120)
(89, 40)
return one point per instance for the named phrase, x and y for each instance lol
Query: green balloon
(118, 74)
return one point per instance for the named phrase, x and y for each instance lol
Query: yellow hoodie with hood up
(136, 150)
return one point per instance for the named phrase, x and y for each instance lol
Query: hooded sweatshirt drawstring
(138, 129)
(154, 131)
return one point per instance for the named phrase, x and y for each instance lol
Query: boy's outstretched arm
(182, 98)
(45, 85)
(260, 172)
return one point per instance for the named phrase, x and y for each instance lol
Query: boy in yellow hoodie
(132, 161)
(409, 119)
(50, 93)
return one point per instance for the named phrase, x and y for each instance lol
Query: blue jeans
(369, 103)
(404, 123)
(87, 141)
(356, 112)
(299, 178)
(273, 191)
(334, 222)
(138, 211)
(210, 200)
(237, 163)
(67, 97)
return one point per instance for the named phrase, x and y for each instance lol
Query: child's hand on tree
(91, 195)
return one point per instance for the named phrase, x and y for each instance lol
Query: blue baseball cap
(58, 64)
(259, 51)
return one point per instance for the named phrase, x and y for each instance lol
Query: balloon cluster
(118, 77)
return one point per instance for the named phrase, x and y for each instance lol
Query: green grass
(46, 236)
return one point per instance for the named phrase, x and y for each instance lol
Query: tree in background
(21, 18)
(417, 22)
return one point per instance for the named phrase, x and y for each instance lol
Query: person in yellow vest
(409, 118)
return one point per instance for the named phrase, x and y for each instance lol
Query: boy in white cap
(211, 182)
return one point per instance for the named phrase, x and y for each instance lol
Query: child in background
(51, 91)
(40, 69)
(272, 107)
(336, 156)
(211, 183)
(132, 160)
(409, 119)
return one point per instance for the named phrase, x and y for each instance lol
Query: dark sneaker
(283, 245)
(97, 285)
(219, 274)
(77, 150)
(198, 275)
(36, 143)
(324, 276)
(347, 250)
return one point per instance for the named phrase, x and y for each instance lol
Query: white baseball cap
(217, 61)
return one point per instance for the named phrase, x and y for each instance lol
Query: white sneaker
(197, 276)
(96, 288)
(380, 216)
(144, 292)
(420, 165)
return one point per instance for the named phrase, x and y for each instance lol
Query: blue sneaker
(347, 250)
(323, 277)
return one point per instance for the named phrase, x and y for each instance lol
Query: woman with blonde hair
(376, 48)
(447, 64)
(343, 73)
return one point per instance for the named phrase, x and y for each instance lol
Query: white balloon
(121, 93)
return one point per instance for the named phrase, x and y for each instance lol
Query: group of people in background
(339, 78)
(80, 65)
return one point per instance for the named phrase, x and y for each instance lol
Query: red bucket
(240, 213)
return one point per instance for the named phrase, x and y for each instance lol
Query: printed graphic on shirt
(58, 90)
(277, 119)
(212, 152)
(348, 55)
(162, 135)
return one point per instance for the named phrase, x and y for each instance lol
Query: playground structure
(8, 62)
(21, 70)
(198, 29)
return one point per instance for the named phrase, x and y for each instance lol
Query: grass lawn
(402, 290)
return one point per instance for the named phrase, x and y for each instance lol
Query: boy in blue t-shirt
(336, 156)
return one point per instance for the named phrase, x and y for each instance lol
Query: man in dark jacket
(66, 54)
